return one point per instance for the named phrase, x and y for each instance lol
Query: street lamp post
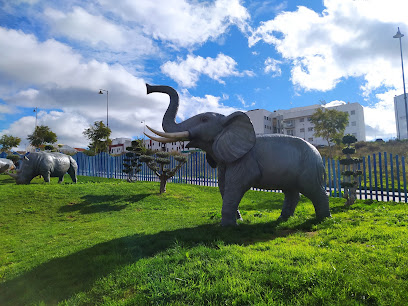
(144, 128)
(107, 105)
(36, 112)
(400, 35)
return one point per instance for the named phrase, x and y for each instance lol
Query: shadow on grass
(60, 278)
(6, 180)
(101, 203)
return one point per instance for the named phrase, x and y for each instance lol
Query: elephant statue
(6, 165)
(246, 160)
(45, 164)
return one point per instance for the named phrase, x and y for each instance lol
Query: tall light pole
(35, 111)
(400, 35)
(144, 128)
(107, 105)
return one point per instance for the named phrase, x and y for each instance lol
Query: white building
(296, 121)
(400, 116)
(179, 146)
(119, 145)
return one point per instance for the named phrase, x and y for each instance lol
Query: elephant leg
(320, 202)
(72, 174)
(237, 182)
(221, 179)
(46, 177)
(60, 179)
(230, 205)
(221, 186)
(289, 204)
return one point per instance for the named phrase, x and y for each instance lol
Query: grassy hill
(365, 148)
(108, 242)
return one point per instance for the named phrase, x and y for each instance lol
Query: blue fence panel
(197, 171)
(386, 176)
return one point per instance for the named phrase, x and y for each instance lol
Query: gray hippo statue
(45, 164)
(6, 165)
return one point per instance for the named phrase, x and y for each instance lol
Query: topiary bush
(159, 164)
(132, 162)
(350, 172)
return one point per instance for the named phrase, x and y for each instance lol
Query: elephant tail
(73, 164)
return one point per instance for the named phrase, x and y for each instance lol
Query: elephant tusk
(176, 135)
(162, 139)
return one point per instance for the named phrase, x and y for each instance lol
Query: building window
(309, 118)
(353, 123)
(310, 139)
(310, 129)
(302, 130)
(302, 120)
(289, 132)
(353, 112)
(264, 117)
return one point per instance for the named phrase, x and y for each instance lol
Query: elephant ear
(236, 139)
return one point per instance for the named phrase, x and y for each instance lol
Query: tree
(7, 142)
(159, 164)
(42, 134)
(329, 124)
(131, 162)
(350, 172)
(98, 134)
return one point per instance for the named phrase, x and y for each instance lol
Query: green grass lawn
(108, 242)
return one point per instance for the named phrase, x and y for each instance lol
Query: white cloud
(98, 31)
(272, 67)
(380, 118)
(334, 103)
(179, 22)
(72, 91)
(349, 39)
(187, 72)
(242, 100)
(55, 77)
(191, 105)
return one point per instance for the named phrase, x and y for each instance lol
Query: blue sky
(220, 55)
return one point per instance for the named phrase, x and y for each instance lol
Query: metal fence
(383, 175)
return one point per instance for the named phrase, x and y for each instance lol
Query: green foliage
(132, 163)
(8, 142)
(89, 152)
(348, 184)
(350, 161)
(329, 124)
(49, 147)
(349, 139)
(351, 173)
(350, 164)
(349, 150)
(159, 164)
(105, 242)
(42, 135)
(13, 158)
(98, 134)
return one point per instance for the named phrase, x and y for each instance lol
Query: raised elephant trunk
(169, 119)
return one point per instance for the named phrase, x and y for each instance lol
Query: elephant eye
(204, 119)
